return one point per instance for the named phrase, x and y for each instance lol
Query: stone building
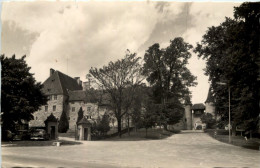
(67, 93)
(197, 110)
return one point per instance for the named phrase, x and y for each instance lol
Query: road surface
(188, 149)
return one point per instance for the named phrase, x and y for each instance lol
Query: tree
(208, 119)
(63, 123)
(80, 114)
(116, 78)
(149, 116)
(169, 77)
(231, 51)
(21, 94)
(103, 126)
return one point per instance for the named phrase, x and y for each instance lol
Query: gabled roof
(59, 83)
(51, 118)
(199, 106)
(86, 121)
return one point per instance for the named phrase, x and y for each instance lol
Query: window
(73, 109)
(36, 118)
(55, 97)
(46, 108)
(50, 97)
(54, 108)
(68, 118)
(89, 108)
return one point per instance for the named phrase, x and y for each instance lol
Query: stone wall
(41, 115)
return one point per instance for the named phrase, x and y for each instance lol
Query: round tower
(188, 117)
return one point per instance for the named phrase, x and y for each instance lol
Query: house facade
(69, 95)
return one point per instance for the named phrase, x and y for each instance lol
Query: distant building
(197, 111)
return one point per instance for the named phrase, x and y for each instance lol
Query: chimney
(51, 71)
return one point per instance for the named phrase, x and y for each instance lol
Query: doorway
(85, 133)
(52, 132)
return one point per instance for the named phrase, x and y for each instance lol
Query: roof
(59, 83)
(85, 121)
(199, 106)
(51, 118)
(210, 98)
(77, 95)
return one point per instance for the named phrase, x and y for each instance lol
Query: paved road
(187, 149)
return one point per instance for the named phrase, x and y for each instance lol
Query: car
(21, 135)
(7, 135)
(39, 134)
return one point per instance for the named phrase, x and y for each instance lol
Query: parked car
(21, 135)
(7, 135)
(39, 134)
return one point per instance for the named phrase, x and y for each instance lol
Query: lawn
(36, 143)
(222, 136)
(140, 134)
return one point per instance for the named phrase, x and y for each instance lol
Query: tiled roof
(59, 83)
(199, 106)
(77, 95)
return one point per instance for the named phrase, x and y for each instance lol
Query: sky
(73, 36)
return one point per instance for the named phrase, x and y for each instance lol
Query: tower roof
(59, 83)
(198, 106)
(210, 98)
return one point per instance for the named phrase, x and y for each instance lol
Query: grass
(222, 136)
(36, 143)
(140, 134)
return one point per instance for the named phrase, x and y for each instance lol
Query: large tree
(21, 94)
(167, 72)
(231, 51)
(120, 79)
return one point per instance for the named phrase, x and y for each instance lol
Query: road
(188, 149)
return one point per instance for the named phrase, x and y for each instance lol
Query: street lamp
(229, 115)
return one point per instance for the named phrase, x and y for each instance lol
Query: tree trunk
(128, 130)
(119, 126)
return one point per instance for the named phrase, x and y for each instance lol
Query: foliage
(169, 77)
(63, 123)
(21, 95)
(208, 119)
(103, 126)
(80, 114)
(231, 51)
(118, 79)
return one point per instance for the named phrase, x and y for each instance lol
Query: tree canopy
(231, 51)
(119, 79)
(21, 94)
(167, 72)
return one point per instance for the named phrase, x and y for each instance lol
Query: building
(66, 94)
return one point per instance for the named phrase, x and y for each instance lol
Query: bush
(207, 118)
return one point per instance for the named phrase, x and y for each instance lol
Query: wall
(210, 108)
(40, 116)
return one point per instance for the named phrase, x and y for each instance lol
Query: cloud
(16, 40)
(73, 36)
(86, 34)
